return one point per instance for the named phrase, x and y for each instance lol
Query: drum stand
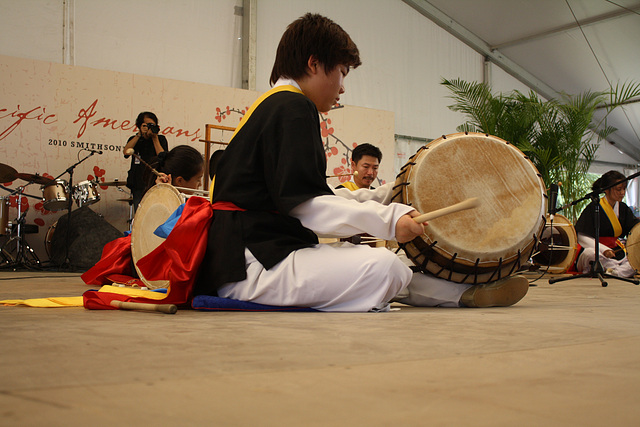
(131, 211)
(24, 256)
(597, 271)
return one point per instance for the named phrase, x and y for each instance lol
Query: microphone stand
(69, 170)
(597, 271)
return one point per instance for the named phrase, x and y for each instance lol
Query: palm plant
(557, 136)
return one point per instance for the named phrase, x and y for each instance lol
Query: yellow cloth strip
(56, 302)
(350, 185)
(46, 302)
(246, 116)
(258, 101)
(615, 222)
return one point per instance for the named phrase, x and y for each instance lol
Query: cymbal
(7, 173)
(115, 183)
(35, 178)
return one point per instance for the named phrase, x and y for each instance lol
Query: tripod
(596, 271)
(23, 255)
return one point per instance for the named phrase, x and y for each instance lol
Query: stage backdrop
(51, 114)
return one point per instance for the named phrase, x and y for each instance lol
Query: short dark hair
(607, 180)
(182, 160)
(143, 115)
(313, 35)
(366, 149)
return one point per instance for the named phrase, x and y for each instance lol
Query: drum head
(155, 208)
(633, 247)
(487, 242)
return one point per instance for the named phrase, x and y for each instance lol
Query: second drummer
(616, 221)
(182, 167)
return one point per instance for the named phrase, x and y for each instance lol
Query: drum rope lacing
(475, 270)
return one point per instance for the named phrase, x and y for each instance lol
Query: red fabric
(177, 259)
(226, 206)
(115, 260)
(572, 268)
(610, 242)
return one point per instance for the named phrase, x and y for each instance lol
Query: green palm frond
(623, 93)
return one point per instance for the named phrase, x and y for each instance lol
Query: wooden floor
(567, 355)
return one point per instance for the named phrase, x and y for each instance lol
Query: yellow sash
(264, 96)
(350, 185)
(258, 101)
(615, 222)
(78, 302)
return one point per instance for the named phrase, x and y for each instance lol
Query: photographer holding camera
(147, 144)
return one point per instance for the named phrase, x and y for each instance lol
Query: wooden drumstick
(471, 203)
(130, 152)
(343, 174)
(163, 308)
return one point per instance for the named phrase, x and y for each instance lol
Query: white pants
(349, 278)
(620, 268)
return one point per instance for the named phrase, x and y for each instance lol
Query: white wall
(404, 54)
(191, 40)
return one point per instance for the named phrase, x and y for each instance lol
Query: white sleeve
(589, 242)
(333, 216)
(380, 194)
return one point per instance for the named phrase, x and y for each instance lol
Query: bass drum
(155, 208)
(48, 239)
(4, 215)
(483, 244)
(559, 254)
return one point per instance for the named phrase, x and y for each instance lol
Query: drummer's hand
(163, 178)
(407, 229)
(609, 253)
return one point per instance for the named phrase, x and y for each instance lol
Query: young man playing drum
(269, 205)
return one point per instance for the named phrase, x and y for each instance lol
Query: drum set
(57, 195)
(15, 252)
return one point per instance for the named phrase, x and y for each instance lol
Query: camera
(153, 128)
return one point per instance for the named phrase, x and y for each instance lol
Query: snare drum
(4, 215)
(55, 197)
(483, 244)
(560, 256)
(155, 208)
(86, 193)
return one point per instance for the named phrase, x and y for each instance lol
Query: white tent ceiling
(540, 43)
